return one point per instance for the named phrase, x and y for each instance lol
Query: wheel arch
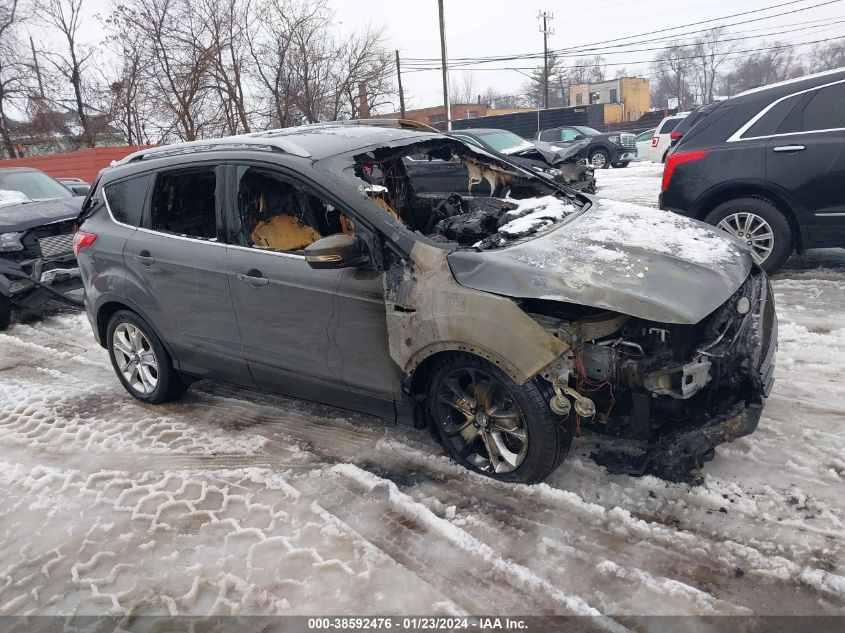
(110, 307)
(714, 198)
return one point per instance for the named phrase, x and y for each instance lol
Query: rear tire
(526, 440)
(5, 312)
(140, 361)
(765, 218)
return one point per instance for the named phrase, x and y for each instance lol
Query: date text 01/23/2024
(410, 624)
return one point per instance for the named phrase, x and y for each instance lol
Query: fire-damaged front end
(648, 328)
(676, 391)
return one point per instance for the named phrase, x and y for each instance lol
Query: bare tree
(12, 69)
(127, 89)
(360, 58)
(228, 22)
(673, 74)
(828, 56)
(464, 90)
(775, 63)
(180, 57)
(710, 53)
(71, 62)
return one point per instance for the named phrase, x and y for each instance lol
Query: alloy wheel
(482, 420)
(599, 160)
(753, 230)
(136, 361)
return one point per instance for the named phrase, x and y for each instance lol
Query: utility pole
(546, 17)
(446, 102)
(37, 68)
(401, 93)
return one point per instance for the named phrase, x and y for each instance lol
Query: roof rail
(398, 123)
(255, 140)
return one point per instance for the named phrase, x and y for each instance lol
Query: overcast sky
(503, 27)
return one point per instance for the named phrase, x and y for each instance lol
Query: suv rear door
(806, 158)
(176, 273)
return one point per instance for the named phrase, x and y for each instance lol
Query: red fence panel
(85, 163)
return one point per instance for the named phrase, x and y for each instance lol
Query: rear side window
(769, 123)
(184, 203)
(125, 199)
(669, 125)
(549, 135)
(822, 109)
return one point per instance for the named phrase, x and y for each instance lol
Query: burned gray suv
(502, 312)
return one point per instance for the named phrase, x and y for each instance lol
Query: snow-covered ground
(236, 502)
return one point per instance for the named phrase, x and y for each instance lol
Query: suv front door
(176, 273)
(807, 158)
(314, 334)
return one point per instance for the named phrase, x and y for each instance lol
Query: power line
(420, 61)
(733, 54)
(821, 28)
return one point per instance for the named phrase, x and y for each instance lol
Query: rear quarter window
(126, 198)
(669, 125)
(822, 109)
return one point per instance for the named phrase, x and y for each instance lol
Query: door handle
(790, 148)
(253, 278)
(144, 258)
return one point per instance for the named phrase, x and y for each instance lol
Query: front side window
(587, 131)
(279, 214)
(125, 199)
(184, 202)
(568, 134)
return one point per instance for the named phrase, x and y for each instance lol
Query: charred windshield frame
(380, 175)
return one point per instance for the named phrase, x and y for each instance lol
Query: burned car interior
(449, 193)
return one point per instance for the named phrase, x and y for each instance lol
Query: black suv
(498, 309)
(615, 149)
(767, 166)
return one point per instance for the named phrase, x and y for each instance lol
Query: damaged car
(568, 165)
(502, 312)
(37, 215)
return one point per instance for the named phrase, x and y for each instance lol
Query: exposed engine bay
(451, 194)
(641, 380)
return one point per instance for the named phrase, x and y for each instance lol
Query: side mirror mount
(578, 137)
(336, 251)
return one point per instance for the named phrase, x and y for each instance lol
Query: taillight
(81, 239)
(675, 136)
(676, 159)
(655, 140)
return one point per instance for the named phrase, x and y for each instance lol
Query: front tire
(493, 426)
(600, 159)
(5, 312)
(761, 225)
(140, 361)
